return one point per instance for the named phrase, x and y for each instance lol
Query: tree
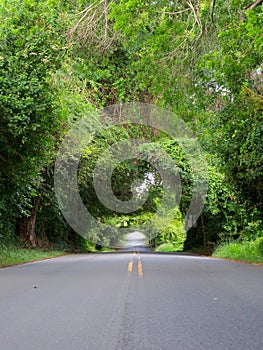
(31, 49)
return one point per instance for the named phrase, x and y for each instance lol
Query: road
(131, 301)
(135, 242)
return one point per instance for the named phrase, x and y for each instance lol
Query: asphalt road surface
(131, 301)
(135, 242)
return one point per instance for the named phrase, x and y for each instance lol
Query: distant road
(128, 301)
(135, 242)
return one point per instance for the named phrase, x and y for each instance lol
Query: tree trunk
(27, 225)
(203, 230)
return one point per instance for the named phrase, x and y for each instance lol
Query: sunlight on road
(135, 242)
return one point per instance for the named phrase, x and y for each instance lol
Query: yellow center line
(130, 266)
(139, 266)
(140, 270)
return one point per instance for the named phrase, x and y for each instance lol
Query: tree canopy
(62, 61)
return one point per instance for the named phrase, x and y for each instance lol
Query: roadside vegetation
(244, 251)
(61, 60)
(13, 255)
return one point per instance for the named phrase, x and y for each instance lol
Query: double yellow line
(139, 266)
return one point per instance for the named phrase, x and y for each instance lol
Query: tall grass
(167, 247)
(244, 251)
(13, 256)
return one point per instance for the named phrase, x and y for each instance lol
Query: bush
(166, 247)
(173, 235)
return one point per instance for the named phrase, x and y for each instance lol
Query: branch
(197, 20)
(175, 13)
(93, 27)
(253, 5)
(213, 10)
(85, 14)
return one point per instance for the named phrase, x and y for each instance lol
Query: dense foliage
(200, 59)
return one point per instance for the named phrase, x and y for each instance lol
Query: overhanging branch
(254, 5)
